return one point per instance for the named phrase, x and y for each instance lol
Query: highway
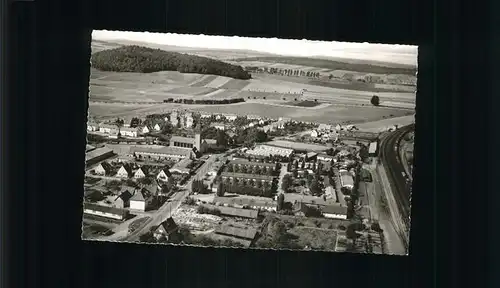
(390, 157)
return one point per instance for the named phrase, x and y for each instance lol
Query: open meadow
(327, 99)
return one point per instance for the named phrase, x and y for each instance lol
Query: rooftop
(334, 209)
(247, 176)
(246, 162)
(164, 150)
(245, 201)
(105, 209)
(182, 139)
(236, 212)
(97, 152)
(240, 232)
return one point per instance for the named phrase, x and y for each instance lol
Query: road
(168, 208)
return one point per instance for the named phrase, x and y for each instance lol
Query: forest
(147, 60)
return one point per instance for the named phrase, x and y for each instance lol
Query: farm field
(380, 125)
(328, 114)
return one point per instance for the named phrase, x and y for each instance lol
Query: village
(232, 181)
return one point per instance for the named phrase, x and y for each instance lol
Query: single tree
(314, 187)
(286, 182)
(220, 189)
(281, 202)
(119, 123)
(135, 122)
(375, 100)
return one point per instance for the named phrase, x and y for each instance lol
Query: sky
(401, 54)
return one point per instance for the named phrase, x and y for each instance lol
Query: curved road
(389, 154)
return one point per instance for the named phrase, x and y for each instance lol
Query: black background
(44, 103)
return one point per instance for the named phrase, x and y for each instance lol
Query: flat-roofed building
(105, 211)
(268, 150)
(98, 154)
(252, 203)
(161, 153)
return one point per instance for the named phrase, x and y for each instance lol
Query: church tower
(197, 138)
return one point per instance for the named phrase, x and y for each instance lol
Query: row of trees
(290, 72)
(146, 60)
(204, 101)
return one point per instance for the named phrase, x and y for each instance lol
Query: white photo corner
(249, 143)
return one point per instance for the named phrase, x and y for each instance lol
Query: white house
(163, 175)
(140, 173)
(123, 172)
(139, 201)
(157, 127)
(231, 117)
(127, 131)
(91, 127)
(189, 120)
(315, 133)
(218, 126)
(145, 130)
(337, 211)
(108, 128)
(103, 169)
(338, 127)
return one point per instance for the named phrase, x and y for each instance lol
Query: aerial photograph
(249, 143)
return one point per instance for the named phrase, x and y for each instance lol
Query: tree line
(147, 60)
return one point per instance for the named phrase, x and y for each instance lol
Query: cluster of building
(269, 150)
(129, 199)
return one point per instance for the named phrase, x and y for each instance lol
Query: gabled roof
(127, 168)
(334, 209)
(106, 166)
(240, 232)
(168, 225)
(166, 171)
(210, 141)
(144, 170)
(125, 195)
(139, 195)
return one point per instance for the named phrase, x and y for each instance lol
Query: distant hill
(221, 54)
(362, 66)
(135, 58)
